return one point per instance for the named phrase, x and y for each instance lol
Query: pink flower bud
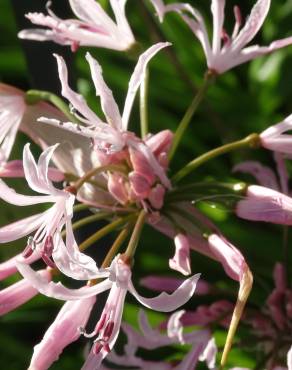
(160, 143)
(141, 165)
(139, 184)
(156, 196)
(117, 188)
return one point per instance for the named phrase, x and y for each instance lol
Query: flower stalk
(251, 141)
(104, 231)
(131, 249)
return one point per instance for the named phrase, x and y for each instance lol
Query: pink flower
(119, 282)
(264, 204)
(92, 28)
(110, 137)
(17, 294)
(274, 137)
(49, 223)
(63, 331)
(226, 51)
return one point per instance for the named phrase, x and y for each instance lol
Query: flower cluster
(94, 162)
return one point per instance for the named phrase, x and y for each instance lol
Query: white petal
(137, 78)
(253, 24)
(19, 229)
(9, 195)
(71, 262)
(58, 290)
(75, 99)
(108, 103)
(169, 302)
(217, 8)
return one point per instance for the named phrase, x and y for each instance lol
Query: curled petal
(71, 262)
(109, 106)
(75, 99)
(137, 78)
(209, 354)
(230, 257)
(181, 260)
(175, 327)
(9, 195)
(169, 302)
(58, 290)
(263, 174)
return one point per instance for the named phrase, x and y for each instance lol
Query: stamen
(101, 323)
(75, 113)
(108, 330)
(47, 251)
(225, 37)
(30, 247)
(97, 348)
(48, 246)
(48, 261)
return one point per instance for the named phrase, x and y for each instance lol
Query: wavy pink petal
(169, 302)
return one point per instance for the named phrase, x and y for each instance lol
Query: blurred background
(247, 99)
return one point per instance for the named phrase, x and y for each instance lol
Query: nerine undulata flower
(92, 28)
(118, 281)
(113, 144)
(46, 224)
(225, 51)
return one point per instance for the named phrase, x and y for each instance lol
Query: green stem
(116, 246)
(104, 231)
(131, 249)
(183, 125)
(251, 141)
(89, 219)
(144, 104)
(86, 220)
(34, 96)
(80, 207)
(97, 170)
